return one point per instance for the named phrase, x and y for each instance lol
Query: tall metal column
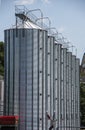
(67, 96)
(56, 84)
(44, 80)
(40, 77)
(59, 85)
(77, 95)
(65, 85)
(62, 90)
(73, 90)
(48, 79)
(70, 86)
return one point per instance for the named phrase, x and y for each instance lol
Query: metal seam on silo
(38, 80)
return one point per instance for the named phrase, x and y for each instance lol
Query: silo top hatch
(24, 18)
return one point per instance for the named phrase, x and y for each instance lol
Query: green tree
(82, 103)
(2, 58)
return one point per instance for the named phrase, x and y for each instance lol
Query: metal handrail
(42, 25)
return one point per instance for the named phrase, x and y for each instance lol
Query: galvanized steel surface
(41, 78)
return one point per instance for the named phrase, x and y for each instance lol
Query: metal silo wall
(16, 74)
(67, 98)
(40, 77)
(77, 95)
(62, 91)
(73, 90)
(69, 86)
(48, 80)
(6, 74)
(59, 85)
(44, 79)
(26, 74)
(56, 83)
(11, 74)
(53, 82)
(29, 78)
(65, 85)
(35, 79)
(37, 49)
(22, 77)
(50, 75)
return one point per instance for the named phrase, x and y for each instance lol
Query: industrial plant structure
(41, 77)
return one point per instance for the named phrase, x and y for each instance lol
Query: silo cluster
(41, 78)
(41, 81)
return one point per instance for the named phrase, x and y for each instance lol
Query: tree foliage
(2, 58)
(82, 103)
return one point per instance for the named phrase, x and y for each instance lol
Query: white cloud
(46, 1)
(61, 29)
(24, 2)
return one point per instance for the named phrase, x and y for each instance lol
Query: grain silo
(41, 78)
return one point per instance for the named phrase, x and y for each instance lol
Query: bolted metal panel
(64, 83)
(73, 89)
(16, 74)
(48, 80)
(51, 79)
(44, 78)
(6, 74)
(40, 77)
(69, 90)
(77, 105)
(56, 83)
(35, 79)
(70, 86)
(59, 85)
(51, 75)
(62, 91)
(29, 82)
(67, 97)
(23, 71)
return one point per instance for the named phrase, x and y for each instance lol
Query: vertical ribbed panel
(51, 76)
(41, 78)
(59, 85)
(6, 75)
(73, 91)
(67, 97)
(44, 67)
(35, 79)
(16, 74)
(48, 80)
(74, 86)
(77, 105)
(56, 84)
(62, 90)
(64, 82)
(29, 103)
(25, 73)
(70, 85)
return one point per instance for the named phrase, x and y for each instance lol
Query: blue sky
(68, 16)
